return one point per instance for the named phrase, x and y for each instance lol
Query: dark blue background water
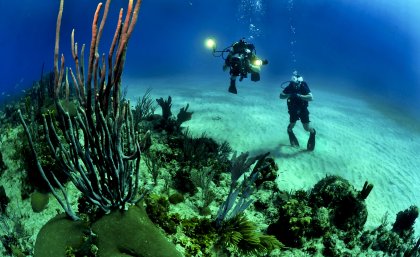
(373, 45)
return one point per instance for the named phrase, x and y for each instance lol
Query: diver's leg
(312, 132)
(308, 128)
(304, 118)
(232, 86)
(291, 126)
(292, 138)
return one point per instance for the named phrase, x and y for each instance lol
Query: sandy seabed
(356, 139)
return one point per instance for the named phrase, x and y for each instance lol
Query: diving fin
(293, 140)
(311, 141)
(232, 87)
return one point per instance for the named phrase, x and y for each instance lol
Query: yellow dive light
(258, 62)
(210, 43)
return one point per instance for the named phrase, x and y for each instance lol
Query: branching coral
(238, 198)
(98, 147)
(169, 123)
(144, 108)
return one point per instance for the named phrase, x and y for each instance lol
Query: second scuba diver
(298, 95)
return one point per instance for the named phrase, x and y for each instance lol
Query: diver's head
(241, 43)
(296, 77)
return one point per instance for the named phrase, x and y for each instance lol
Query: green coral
(237, 235)
(298, 215)
(348, 211)
(70, 252)
(320, 222)
(202, 236)
(294, 223)
(242, 235)
(157, 208)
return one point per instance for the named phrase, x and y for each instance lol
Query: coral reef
(335, 212)
(95, 144)
(292, 227)
(33, 178)
(104, 170)
(404, 222)
(157, 208)
(117, 234)
(144, 108)
(13, 235)
(399, 241)
(301, 222)
(347, 210)
(243, 235)
(167, 122)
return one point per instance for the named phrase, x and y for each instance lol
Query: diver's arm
(307, 97)
(284, 96)
(227, 63)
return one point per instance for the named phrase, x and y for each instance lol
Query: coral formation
(293, 225)
(398, 241)
(167, 122)
(302, 221)
(13, 235)
(404, 222)
(243, 235)
(157, 208)
(335, 212)
(347, 210)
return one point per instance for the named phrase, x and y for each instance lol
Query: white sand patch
(354, 140)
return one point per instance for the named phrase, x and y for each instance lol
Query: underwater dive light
(258, 62)
(211, 44)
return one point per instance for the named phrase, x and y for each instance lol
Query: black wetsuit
(298, 108)
(238, 59)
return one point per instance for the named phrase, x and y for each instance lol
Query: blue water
(374, 44)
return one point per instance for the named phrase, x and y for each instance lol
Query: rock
(131, 233)
(39, 201)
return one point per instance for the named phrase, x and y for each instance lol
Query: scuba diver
(241, 60)
(298, 95)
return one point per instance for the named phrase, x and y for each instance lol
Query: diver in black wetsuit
(241, 60)
(298, 95)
